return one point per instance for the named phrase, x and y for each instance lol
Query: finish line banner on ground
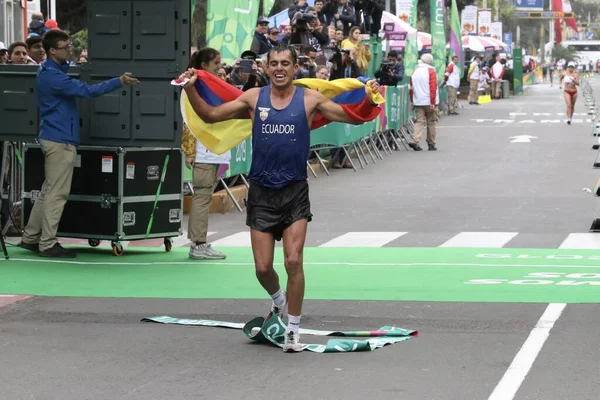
(272, 330)
(394, 114)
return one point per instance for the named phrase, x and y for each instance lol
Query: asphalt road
(83, 348)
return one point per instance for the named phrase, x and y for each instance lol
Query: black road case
(117, 194)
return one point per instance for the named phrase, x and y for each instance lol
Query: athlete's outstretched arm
(335, 113)
(226, 111)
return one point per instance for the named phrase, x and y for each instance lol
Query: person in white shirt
(497, 75)
(473, 77)
(424, 96)
(484, 81)
(452, 80)
(207, 168)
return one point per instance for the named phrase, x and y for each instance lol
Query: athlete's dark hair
(52, 37)
(204, 55)
(282, 47)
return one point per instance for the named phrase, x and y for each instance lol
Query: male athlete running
(278, 203)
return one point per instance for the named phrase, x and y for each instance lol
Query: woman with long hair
(571, 81)
(363, 53)
(205, 167)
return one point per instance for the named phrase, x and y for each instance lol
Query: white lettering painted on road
(527, 121)
(521, 364)
(504, 121)
(522, 139)
(551, 121)
(517, 113)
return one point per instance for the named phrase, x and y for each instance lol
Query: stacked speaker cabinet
(137, 126)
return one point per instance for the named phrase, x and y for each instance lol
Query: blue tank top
(280, 141)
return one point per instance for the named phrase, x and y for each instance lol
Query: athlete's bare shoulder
(250, 96)
(312, 98)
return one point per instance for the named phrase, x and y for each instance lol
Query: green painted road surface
(408, 274)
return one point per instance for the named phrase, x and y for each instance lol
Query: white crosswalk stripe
(480, 239)
(240, 239)
(363, 239)
(581, 241)
(574, 241)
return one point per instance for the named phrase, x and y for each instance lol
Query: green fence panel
(241, 159)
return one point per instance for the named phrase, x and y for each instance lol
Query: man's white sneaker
(292, 342)
(279, 310)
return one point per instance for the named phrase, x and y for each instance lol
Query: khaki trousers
(204, 180)
(452, 99)
(48, 208)
(474, 94)
(496, 89)
(425, 119)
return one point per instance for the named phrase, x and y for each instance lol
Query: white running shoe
(292, 342)
(279, 310)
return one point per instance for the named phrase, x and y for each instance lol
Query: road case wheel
(94, 242)
(117, 248)
(168, 244)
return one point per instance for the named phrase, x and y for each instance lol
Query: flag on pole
(438, 37)
(411, 49)
(456, 48)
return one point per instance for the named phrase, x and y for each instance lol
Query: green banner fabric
(393, 107)
(518, 71)
(272, 330)
(241, 159)
(411, 49)
(230, 26)
(456, 47)
(438, 37)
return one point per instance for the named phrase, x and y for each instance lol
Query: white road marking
(240, 239)
(521, 364)
(363, 239)
(349, 264)
(480, 239)
(581, 241)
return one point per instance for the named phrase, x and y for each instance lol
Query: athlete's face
(281, 69)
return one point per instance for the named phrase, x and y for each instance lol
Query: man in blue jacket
(59, 137)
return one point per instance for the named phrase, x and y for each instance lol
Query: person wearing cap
(571, 81)
(260, 43)
(473, 76)
(273, 34)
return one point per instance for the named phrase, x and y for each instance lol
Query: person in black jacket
(368, 14)
(260, 43)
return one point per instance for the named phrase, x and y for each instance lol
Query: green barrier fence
(395, 116)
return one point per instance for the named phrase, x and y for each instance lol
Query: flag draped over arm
(222, 136)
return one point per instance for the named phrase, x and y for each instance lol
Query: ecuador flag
(220, 137)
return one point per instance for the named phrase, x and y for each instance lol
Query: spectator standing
(57, 95)
(362, 52)
(424, 96)
(473, 77)
(206, 170)
(260, 43)
(497, 75)
(452, 81)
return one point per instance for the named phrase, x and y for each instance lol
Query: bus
(587, 50)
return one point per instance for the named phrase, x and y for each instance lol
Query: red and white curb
(6, 299)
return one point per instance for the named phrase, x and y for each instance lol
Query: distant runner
(571, 80)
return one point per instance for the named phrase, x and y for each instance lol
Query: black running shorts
(273, 210)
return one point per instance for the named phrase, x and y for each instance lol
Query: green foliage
(80, 40)
(561, 52)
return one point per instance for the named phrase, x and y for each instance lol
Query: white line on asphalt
(240, 239)
(363, 239)
(581, 241)
(349, 264)
(480, 239)
(519, 368)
